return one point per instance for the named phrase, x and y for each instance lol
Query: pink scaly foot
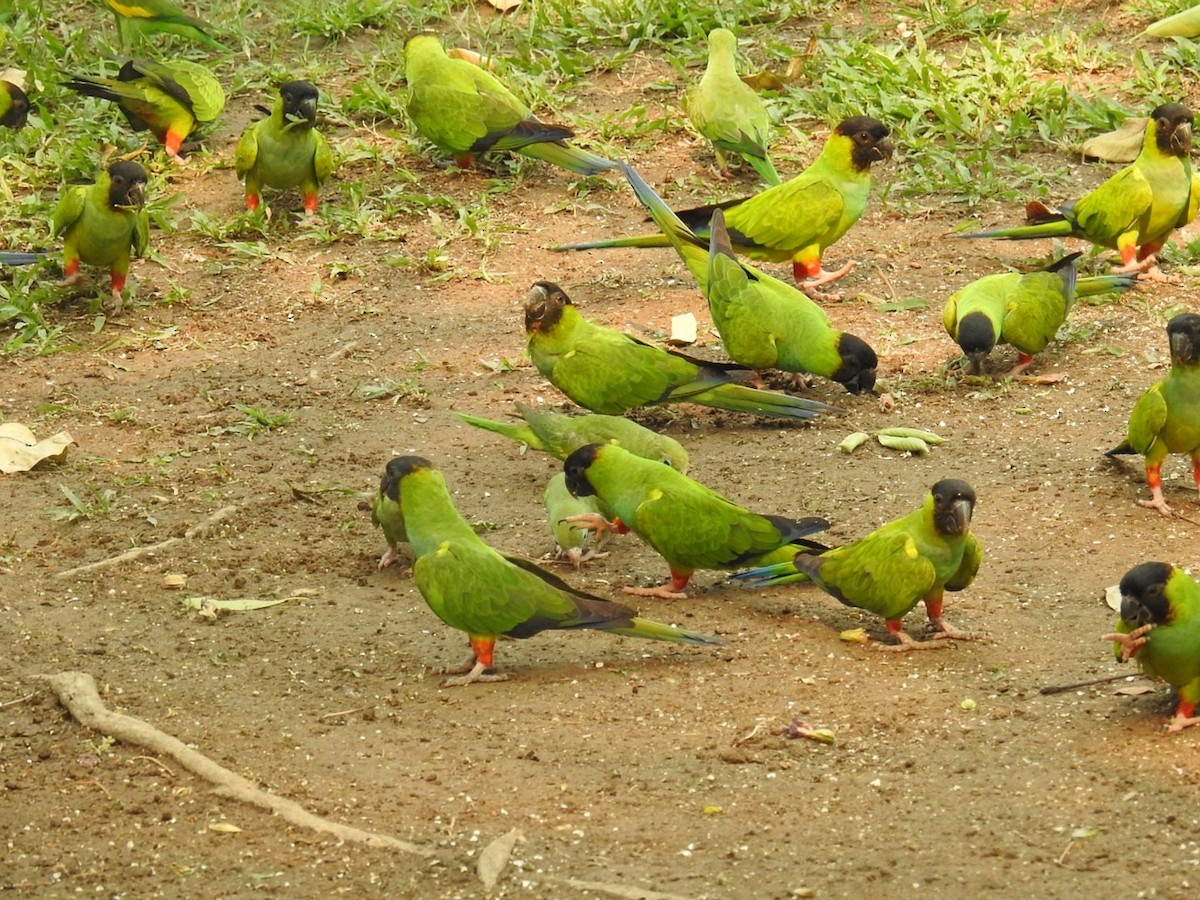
(1156, 501)
(907, 643)
(673, 590)
(597, 523)
(1130, 643)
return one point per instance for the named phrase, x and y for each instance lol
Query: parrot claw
(947, 632)
(1156, 501)
(1178, 723)
(1131, 642)
(662, 592)
(576, 557)
(908, 644)
(592, 522)
(474, 671)
(389, 558)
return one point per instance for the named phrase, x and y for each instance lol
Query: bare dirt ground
(626, 766)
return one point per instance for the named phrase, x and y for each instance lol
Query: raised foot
(662, 593)
(1131, 642)
(592, 522)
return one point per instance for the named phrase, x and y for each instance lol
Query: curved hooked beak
(960, 511)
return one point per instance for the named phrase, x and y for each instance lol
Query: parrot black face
(575, 467)
(396, 469)
(977, 337)
(18, 107)
(857, 372)
(1183, 333)
(127, 185)
(1173, 129)
(953, 506)
(870, 137)
(1144, 595)
(544, 306)
(300, 102)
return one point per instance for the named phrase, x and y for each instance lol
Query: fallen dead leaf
(20, 450)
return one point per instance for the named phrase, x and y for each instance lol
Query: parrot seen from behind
(142, 17)
(14, 106)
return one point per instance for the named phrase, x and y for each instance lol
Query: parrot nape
(560, 435)
(158, 16)
(167, 99)
(474, 588)
(103, 223)
(1160, 628)
(764, 323)
(728, 112)
(611, 372)
(913, 558)
(1166, 418)
(577, 545)
(14, 106)
(1024, 311)
(798, 220)
(1134, 211)
(386, 514)
(285, 150)
(463, 109)
(689, 525)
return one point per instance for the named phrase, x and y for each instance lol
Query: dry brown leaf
(20, 450)
(1134, 690)
(484, 62)
(683, 329)
(1121, 145)
(494, 858)
(505, 5)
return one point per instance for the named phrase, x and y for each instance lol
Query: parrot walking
(611, 372)
(142, 17)
(473, 588)
(689, 525)
(796, 221)
(577, 545)
(14, 106)
(913, 558)
(386, 513)
(463, 109)
(285, 150)
(168, 99)
(1166, 418)
(1160, 628)
(728, 112)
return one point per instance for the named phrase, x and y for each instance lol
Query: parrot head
(300, 103)
(1144, 595)
(544, 306)
(397, 468)
(18, 107)
(977, 336)
(1173, 129)
(1183, 333)
(576, 466)
(127, 184)
(953, 505)
(857, 371)
(869, 138)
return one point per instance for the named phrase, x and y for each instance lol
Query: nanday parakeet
(577, 544)
(798, 220)
(158, 17)
(476, 589)
(14, 106)
(728, 112)
(285, 150)
(463, 109)
(688, 524)
(386, 513)
(913, 558)
(1166, 418)
(611, 372)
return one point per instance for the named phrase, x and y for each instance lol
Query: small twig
(1062, 859)
(6, 704)
(344, 712)
(1060, 688)
(95, 783)
(157, 762)
(748, 736)
(1179, 515)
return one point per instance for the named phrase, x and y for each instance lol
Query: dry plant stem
(77, 692)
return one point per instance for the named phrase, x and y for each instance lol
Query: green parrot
(14, 106)
(1160, 627)
(285, 149)
(577, 544)
(102, 223)
(1166, 419)
(168, 99)
(1134, 211)
(462, 109)
(689, 525)
(1182, 24)
(158, 16)
(610, 372)
(386, 514)
(798, 220)
(728, 112)
(1025, 311)
(473, 588)
(764, 323)
(560, 435)
(916, 557)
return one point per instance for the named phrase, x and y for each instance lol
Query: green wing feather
(69, 209)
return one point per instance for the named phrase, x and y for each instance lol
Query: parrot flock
(618, 476)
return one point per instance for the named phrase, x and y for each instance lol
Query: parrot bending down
(463, 109)
(476, 589)
(386, 514)
(798, 220)
(102, 223)
(611, 372)
(913, 558)
(14, 106)
(285, 149)
(158, 16)
(1166, 419)
(689, 525)
(577, 544)
(764, 323)
(1160, 628)
(728, 112)
(1025, 311)
(1134, 211)
(167, 99)
(560, 435)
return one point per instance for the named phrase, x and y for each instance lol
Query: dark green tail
(522, 433)
(570, 158)
(656, 631)
(19, 259)
(1093, 285)
(739, 398)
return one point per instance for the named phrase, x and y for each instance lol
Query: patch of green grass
(97, 505)
(257, 421)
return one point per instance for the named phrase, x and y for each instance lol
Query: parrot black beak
(136, 195)
(960, 513)
(307, 110)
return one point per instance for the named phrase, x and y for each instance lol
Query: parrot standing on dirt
(158, 16)
(285, 150)
(1166, 419)
(1160, 628)
(476, 589)
(103, 223)
(386, 514)
(1025, 311)
(913, 558)
(798, 220)
(577, 544)
(728, 112)
(14, 106)
(689, 525)
(560, 435)
(1134, 211)
(610, 372)
(463, 109)
(168, 99)
(764, 323)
